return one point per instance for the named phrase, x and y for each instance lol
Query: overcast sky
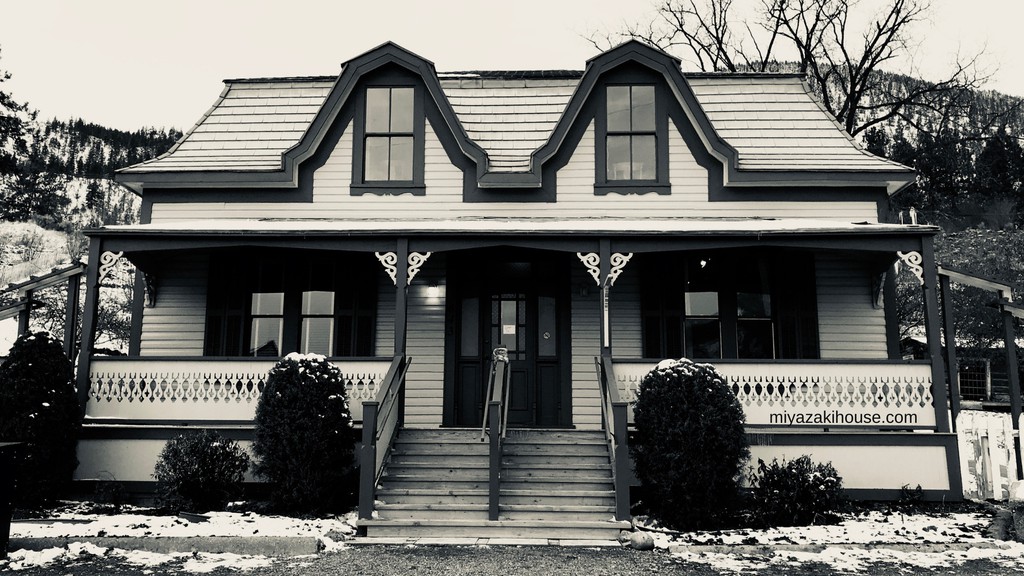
(133, 63)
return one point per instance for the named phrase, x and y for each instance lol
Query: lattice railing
(863, 395)
(200, 389)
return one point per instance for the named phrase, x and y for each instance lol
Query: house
(408, 223)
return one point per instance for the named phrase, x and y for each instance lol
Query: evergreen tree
(12, 129)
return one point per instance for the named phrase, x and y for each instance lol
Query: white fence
(872, 395)
(197, 389)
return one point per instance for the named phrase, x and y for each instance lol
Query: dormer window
(632, 137)
(388, 155)
(389, 135)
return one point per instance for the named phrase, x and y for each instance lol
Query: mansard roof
(761, 126)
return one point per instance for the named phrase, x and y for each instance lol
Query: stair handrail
(382, 417)
(615, 420)
(496, 423)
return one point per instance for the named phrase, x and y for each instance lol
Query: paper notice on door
(508, 329)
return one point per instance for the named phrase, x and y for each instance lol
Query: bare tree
(815, 38)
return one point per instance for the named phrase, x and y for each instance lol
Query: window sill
(632, 187)
(388, 189)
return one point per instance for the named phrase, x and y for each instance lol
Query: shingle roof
(772, 121)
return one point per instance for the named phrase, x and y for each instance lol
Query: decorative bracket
(913, 261)
(593, 263)
(416, 261)
(618, 262)
(390, 262)
(108, 260)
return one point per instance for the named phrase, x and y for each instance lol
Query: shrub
(690, 445)
(39, 406)
(304, 441)
(199, 472)
(796, 493)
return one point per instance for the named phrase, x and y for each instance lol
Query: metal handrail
(614, 415)
(496, 423)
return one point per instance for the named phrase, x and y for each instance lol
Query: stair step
(417, 482)
(564, 461)
(556, 484)
(426, 496)
(458, 511)
(438, 469)
(513, 474)
(473, 460)
(552, 529)
(563, 450)
(556, 513)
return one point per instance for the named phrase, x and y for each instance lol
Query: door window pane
(470, 333)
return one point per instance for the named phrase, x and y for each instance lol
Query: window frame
(660, 184)
(360, 185)
(663, 308)
(358, 303)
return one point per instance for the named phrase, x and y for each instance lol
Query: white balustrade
(197, 389)
(871, 395)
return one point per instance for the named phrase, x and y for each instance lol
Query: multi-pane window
(631, 142)
(725, 304)
(309, 305)
(389, 137)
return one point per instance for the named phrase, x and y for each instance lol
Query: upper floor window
(389, 135)
(389, 138)
(630, 138)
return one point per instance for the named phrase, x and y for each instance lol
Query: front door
(518, 306)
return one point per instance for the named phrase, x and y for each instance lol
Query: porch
(790, 312)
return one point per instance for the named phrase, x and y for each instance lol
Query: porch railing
(614, 417)
(817, 394)
(496, 425)
(200, 388)
(382, 418)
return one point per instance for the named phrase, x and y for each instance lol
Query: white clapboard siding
(176, 326)
(849, 326)
(586, 344)
(624, 314)
(332, 196)
(424, 392)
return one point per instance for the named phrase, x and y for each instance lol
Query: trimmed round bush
(796, 492)
(199, 472)
(304, 441)
(39, 406)
(690, 445)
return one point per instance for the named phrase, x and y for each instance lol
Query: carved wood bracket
(913, 261)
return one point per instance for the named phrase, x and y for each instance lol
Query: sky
(133, 63)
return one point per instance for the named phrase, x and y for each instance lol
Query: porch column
(1013, 380)
(71, 316)
(401, 295)
(25, 314)
(929, 288)
(605, 251)
(949, 331)
(92, 296)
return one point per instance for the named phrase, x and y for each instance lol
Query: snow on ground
(76, 523)
(72, 524)
(853, 546)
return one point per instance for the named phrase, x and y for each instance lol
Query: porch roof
(514, 226)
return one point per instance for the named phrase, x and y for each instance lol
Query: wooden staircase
(555, 484)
